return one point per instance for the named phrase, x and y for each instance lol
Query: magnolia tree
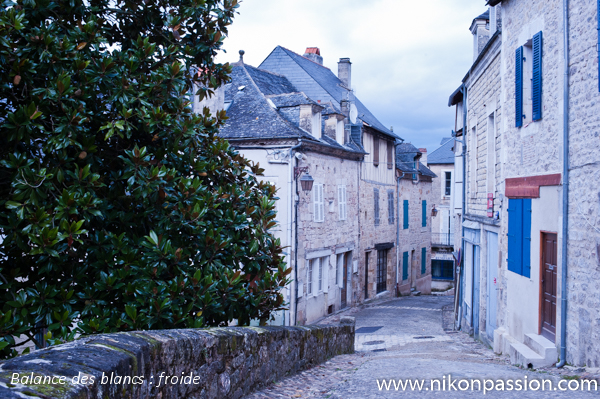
(120, 209)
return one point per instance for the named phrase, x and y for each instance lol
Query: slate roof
(330, 108)
(443, 154)
(254, 113)
(330, 84)
(250, 114)
(290, 99)
(406, 156)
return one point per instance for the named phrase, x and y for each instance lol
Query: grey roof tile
(443, 154)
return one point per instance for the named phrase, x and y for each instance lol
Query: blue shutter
(515, 235)
(536, 89)
(404, 265)
(405, 223)
(423, 261)
(526, 237)
(424, 211)
(519, 87)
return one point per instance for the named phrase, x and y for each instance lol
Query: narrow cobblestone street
(412, 338)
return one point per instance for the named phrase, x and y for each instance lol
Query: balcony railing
(446, 239)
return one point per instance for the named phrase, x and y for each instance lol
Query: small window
(414, 176)
(448, 183)
(376, 205)
(390, 155)
(375, 150)
(319, 206)
(342, 202)
(390, 206)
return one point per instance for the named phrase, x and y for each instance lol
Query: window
(381, 270)
(376, 205)
(320, 281)
(491, 154)
(309, 277)
(528, 79)
(447, 183)
(442, 269)
(339, 269)
(342, 202)
(423, 261)
(424, 213)
(414, 176)
(405, 221)
(405, 265)
(390, 155)
(519, 236)
(375, 150)
(339, 132)
(319, 211)
(390, 206)
(316, 124)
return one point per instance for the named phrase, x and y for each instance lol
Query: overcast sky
(407, 56)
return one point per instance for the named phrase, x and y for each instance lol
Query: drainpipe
(565, 210)
(398, 228)
(464, 202)
(295, 218)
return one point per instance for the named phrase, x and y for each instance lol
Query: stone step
(522, 355)
(542, 346)
(415, 293)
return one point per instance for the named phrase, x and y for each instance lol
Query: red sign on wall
(490, 205)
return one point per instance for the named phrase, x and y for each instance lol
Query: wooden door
(548, 286)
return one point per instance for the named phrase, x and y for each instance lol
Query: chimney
(423, 152)
(344, 66)
(313, 54)
(481, 33)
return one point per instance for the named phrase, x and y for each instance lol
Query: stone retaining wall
(199, 363)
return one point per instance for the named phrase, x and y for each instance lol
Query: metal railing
(446, 239)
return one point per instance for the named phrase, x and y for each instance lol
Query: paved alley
(412, 338)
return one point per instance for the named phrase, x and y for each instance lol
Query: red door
(549, 280)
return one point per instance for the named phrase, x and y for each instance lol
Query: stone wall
(583, 285)
(212, 363)
(329, 238)
(416, 237)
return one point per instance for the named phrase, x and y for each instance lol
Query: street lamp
(306, 181)
(434, 212)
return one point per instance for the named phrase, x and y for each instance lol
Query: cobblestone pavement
(412, 337)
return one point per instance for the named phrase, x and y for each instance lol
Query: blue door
(492, 285)
(476, 290)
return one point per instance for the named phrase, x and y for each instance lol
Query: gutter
(565, 210)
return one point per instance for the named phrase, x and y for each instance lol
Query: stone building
(415, 195)
(441, 163)
(530, 134)
(306, 127)
(375, 272)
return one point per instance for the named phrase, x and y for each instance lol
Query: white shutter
(345, 200)
(342, 202)
(322, 205)
(318, 200)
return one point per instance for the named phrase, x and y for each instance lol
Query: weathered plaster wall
(228, 362)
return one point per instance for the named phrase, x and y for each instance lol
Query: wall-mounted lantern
(306, 181)
(434, 211)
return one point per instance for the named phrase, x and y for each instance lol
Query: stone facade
(528, 166)
(375, 235)
(413, 239)
(324, 242)
(209, 363)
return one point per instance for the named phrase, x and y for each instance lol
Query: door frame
(541, 277)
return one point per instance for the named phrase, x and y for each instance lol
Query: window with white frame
(342, 201)
(320, 275)
(447, 182)
(319, 205)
